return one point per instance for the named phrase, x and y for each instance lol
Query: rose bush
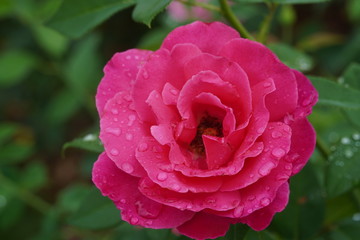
(203, 133)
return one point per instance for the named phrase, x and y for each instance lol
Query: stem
(206, 6)
(26, 196)
(323, 149)
(230, 16)
(265, 26)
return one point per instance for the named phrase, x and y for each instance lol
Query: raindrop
(131, 118)
(265, 201)
(266, 168)
(166, 168)
(282, 177)
(345, 140)
(129, 136)
(142, 147)
(251, 198)
(134, 220)
(114, 131)
(114, 152)
(128, 57)
(260, 130)
(157, 149)
(127, 98)
(267, 84)
(250, 210)
(149, 222)
(278, 152)
(89, 137)
(127, 167)
(123, 200)
(174, 92)
(276, 134)
(288, 166)
(238, 211)
(176, 187)
(349, 153)
(145, 74)
(116, 119)
(114, 111)
(162, 176)
(306, 102)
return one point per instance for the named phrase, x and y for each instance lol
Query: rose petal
(170, 94)
(120, 73)
(161, 67)
(260, 63)
(120, 124)
(302, 144)
(135, 208)
(218, 151)
(277, 140)
(213, 36)
(205, 226)
(163, 113)
(261, 219)
(154, 158)
(220, 201)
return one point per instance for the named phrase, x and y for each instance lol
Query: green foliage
(146, 10)
(90, 142)
(75, 18)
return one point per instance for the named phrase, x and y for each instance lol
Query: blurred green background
(49, 70)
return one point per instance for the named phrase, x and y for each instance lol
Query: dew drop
(250, 210)
(123, 200)
(176, 187)
(127, 167)
(116, 119)
(282, 177)
(174, 92)
(162, 176)
(267, 188)
(251, 198)
(114, 152)
(149, 222)
(238, 211)
(129, 136)
(210, 200)
(266, 168)
(307, 102)
(145, 74)
(114, 111)
(288, 166)
(131, 118)
(260, 130)
(278, 152)
(276, 134)
(134, 220)
(356, 136)
(157, 149)
(356, 217)
(114, 131)
(127, 98)
(265, 201)
(267, 84)
(348, 153)
(143, 147)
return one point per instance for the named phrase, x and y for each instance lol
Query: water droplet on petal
(127, 167)
(176, 187)
(149, 222)
(114, 131)
(267, 84)
(143, 147)
(265, 201)
(288, 166)
(114, 111)
(250, 210)
(114, 152)
(251, 198)
(134, 220)
(306, 102)
(276, 134)
(238, 211)
(266, 168)
(157, 149)
(282, 177)
(127, 98)
(123, 200)
(145, 74)
(129, 136)
(162, 176)
(278, 152)
(131, 118)
(174, 92)
(260, 130)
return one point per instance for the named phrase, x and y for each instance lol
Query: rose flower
(203, 133)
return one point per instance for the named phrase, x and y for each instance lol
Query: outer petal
(302, 144)
(261, 219)
(213, 36)
(120, 74)
(260, 63)
(120, 131)
(135, 208)
(155, 159)
(205, 226)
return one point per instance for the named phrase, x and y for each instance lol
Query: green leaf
(51, 41)
(292, 57)
(351, 78)
(89, 142)
(34, 176)
(96, 212)
(7, 130)
(284, 1)
(334, 94)
(14, 66)
(70, 198)
(343, 172)
(146, 10)
(76, 17)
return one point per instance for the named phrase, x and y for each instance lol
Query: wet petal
(120, 74)
(213, 36)
(163, 113)
(135, 208)
(205, 226)
(120, 131)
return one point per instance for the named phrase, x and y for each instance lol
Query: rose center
(210, 126)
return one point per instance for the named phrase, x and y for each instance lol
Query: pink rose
(181, 12)
(203, 133)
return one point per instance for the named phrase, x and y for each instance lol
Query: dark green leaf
(7, 130)
(344, 166)
(292, 57)
(89, 142)
(76, 17)
(334, 94)
(34, 176)
(51, 41)
(14, 66)
(14, 153)
(96, 212)
(146, 10)
(351, 78)
(71, 197)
